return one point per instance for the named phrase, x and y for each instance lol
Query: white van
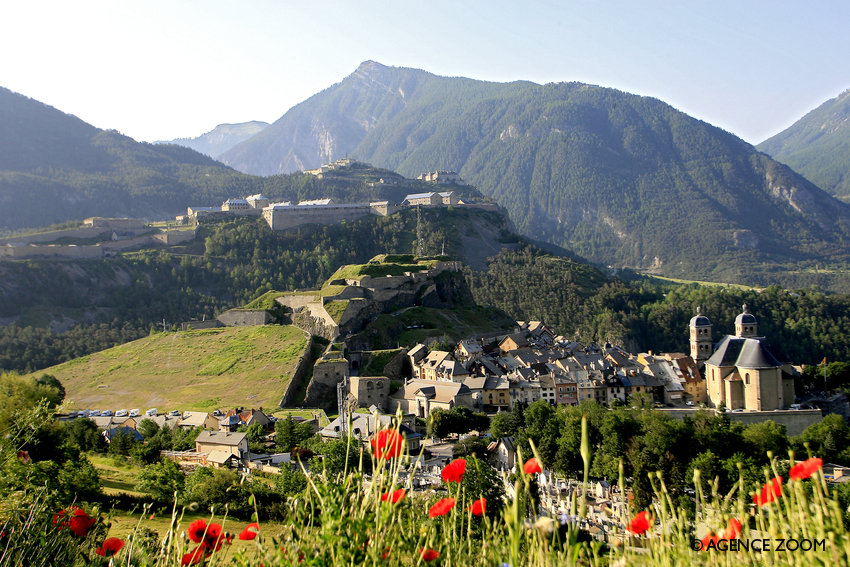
(94, 413)
(134, 413)
(121, 413)
(151, 412)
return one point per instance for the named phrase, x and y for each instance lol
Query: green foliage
(161, 480)
(458, 420)
(290, 434)
(84, 434)
(290, 483)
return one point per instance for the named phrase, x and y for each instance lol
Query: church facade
(742, 371)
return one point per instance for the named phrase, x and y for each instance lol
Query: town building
(745, 372)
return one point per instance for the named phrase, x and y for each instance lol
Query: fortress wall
(298, 376)
(51, 236)
(391, 282)
(244, 318)
(385, 210)
(283, 219)
(75, 252)
(297, 301)
(174, 236)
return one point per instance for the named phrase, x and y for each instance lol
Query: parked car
(121, 413)
(151, 412)
(106, 413)
(134, 413)
(174, 413)
(94, 413)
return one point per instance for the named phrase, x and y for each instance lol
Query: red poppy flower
(453, 472)
(393, 497)
(80, 522)
(197, 529)
(769, 492)
(24, 457)
(110, 547)
(733, 530)
(441, 508)
(250, 531)
(532, 466)
(214, 538)
(193, 557)
(428, 554)
(387, 444)
(640, 523)
(707, 540)
(386, 553)
(805, 469)
(478, 507)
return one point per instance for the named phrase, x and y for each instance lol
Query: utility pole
(419, 252)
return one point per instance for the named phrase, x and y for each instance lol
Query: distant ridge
(818, 146)
(618, 178)
(221, 138)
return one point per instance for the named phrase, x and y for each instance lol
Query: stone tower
(746, 325)
(700, 338)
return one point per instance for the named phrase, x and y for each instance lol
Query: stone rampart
(298, 375)
(290, 217)
(30, 250)
(51, 236)
(327, 373)
(297, 301)
(245, 318)
(795, 421)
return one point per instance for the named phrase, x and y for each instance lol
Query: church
(742, 371)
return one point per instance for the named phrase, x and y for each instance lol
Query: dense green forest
(806, 325)
(232, 263)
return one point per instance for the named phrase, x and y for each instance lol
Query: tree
(84, 434)
(767, 436)
(53, 382)
(290, 434)
(121, 443)
(476, 446)
(183, 439)
(148, 428)
(482, 480)
(161, 480)
(290, 482)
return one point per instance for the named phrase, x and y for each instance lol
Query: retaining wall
(297, 376)
(245, 318)
(795, 421)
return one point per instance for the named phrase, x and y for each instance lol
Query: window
(747, 377)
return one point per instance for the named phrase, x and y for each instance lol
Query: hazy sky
(164, 69)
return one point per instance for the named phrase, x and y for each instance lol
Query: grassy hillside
(193, 370)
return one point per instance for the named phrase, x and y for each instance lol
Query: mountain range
(818, 146)
(221, 138)
(619, 178)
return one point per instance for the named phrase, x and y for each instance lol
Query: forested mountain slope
(618, 178)
(818, 146)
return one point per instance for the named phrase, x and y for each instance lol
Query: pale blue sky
(156, 69)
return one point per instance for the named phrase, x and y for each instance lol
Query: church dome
(745, 318)
(700, 320)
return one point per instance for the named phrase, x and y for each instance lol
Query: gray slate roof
(745, 353)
